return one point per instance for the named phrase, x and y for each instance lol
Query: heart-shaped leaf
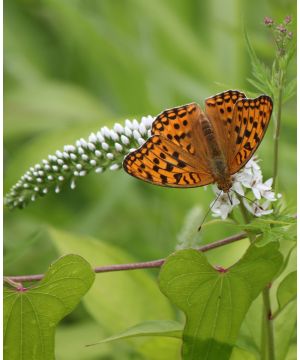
(216, 301)
(31, 315)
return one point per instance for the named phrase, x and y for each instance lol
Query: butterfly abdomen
(218, 164)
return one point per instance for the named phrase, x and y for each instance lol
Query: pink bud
(268, 21)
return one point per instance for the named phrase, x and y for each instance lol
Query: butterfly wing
(219, 110)
(181, 126)
(250, 121)
(161, 162)
(175, 155)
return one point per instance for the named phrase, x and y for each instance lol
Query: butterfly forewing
(181, 126)
(251, 118)
(219, 109)
(161, 162)
(175, 155)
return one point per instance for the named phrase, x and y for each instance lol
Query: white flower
(118, 128)
(99, 170)
(125, 140)
(105, 146)
(258, 210)
(141, 141)
(118, 147)
(93, 138)
(136, 134)
(114, 167)
(247, 179)
(223, 204)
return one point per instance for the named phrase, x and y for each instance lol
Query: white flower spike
(103, 150)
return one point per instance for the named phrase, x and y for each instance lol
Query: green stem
(263, 347)
(267, 335)
(278, 125)
(246, 218)
(267, 348)
(244, 211)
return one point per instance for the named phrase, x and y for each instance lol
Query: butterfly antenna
(208, 211)
(252, 201)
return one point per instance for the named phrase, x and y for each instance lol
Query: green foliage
(114, 292)
(166, 328)
(287, 290)
(272, 228)
(189, 236)
(284, 325)
(31, 315)
(241, 354)
(123, 287)
(215, 301)
(269, 80)
(260, 72)
(60, 106)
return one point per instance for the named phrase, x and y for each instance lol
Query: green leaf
(287, 290)
(290, 90)
(250, 332)
(215, 302)
(31, 315)
(71, 339)
(163, 328)
(188, 236)
(241, 354)
(257, 85)
(292, 352)
(259, 70)
(272, 229)
(119, 299)
(285, 327)
(155, 340)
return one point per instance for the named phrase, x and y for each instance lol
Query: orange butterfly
(190, 147)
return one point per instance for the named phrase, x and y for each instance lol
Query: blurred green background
(71, 67)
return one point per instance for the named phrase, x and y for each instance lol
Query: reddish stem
(134, 266)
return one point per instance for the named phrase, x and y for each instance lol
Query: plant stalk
(267, 346)
(267, 335)
(244, 211)
(278, 126)
(14, 280)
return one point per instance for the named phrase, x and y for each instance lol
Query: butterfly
(190, 147)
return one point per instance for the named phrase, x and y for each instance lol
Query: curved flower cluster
(281, 32)
(248, 178)
(103, 150)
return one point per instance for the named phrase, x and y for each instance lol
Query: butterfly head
(225, 184)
